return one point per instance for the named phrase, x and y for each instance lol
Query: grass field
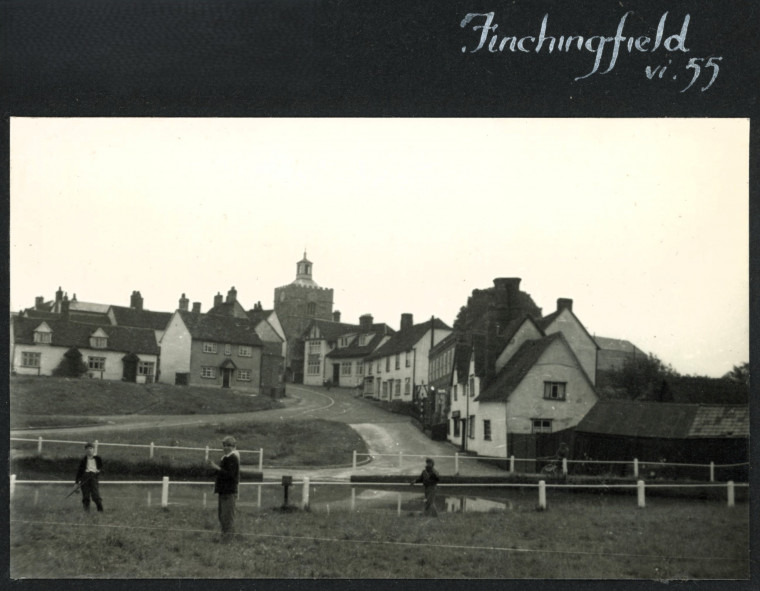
(674, 540)
(49, 401)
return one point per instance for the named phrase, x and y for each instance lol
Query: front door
(336, 374)
(226, 373)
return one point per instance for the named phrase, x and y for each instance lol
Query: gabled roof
(257, 315)
(665, 420)
(75, 334)
(140, 318)
(518, 367)
(546, 321)
(609, 344)
(404, 340)
(85, 318)
(220, 329)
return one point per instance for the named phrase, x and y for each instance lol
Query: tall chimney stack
(407, 321)
(218, 299)
(564, 304)
(232, 295)
(336, 316)
(365, 321)
(183, 303)
(196, 307)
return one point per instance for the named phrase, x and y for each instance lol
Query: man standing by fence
(226, 485)
(429, 479)
(87, 477)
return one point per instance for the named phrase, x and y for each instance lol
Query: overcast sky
(642, 222)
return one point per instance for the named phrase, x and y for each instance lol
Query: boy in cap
(226, 485)
(429, 479)
(87, 477)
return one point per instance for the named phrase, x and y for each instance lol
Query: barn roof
(664, 420)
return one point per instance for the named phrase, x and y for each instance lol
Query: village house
(110, 352)
(401, 364)
(211, 350)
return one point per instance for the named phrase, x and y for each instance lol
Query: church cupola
(303, 270)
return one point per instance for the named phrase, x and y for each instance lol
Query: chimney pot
(183, 303)
(196, 307)
(218, 299)
(564, 303)
(407, 321)
(231, 295)
(365, 321)
(336, 316)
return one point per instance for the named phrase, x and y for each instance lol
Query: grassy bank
(675, 540)
(50, 401)
(306, 443)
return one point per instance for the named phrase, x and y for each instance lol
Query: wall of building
(200, 359)
(175, 350)
(578, 339)
(527, 332)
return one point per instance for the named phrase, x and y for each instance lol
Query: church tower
(297, 304)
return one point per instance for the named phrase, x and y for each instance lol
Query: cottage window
(398, 388)
(379, 368)
(472, 387)
(29, 359)
(359, 368)
(244, 375)
(43, 338)
(311, 309)
(345, 368)
(146, 368)
(486, 429)
(542, 426)
(385, 389)
(387, 364)
(408, 361)
(209, 347)
(471, 427)
(228, 349)
(208, 372)
(554, 390)
(456, 418)
(369, 369)
(408, 386)
(314, 346)
(244, 351)
(314, 365)
(398, 360)
(96, 363)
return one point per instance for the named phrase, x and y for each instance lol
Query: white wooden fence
(306, 484)
(150, 447)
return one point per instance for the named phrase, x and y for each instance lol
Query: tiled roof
(665, 420)
(332, 331)
(355, 349)
(220, 329)
(140, 318)
(703, 390)
(257, 316)
(518, 367)
(75, 334)
(86, 318)
(76, 305)
(609, 344)
(404, 340)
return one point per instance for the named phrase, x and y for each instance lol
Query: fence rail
(306, 484)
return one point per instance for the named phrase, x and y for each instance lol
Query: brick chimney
(183, 303)
(407, 321)
(65, 307)
(365, 321)
(564, 304)
(58, 295)
(232, 295)
(218, 299)
(39, 301)
(336, 316)
(197, 307)
(136, 301)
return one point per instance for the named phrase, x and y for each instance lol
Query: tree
(71, 366)
(739, 373)
(644, 378)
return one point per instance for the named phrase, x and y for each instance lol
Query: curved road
(387, 435)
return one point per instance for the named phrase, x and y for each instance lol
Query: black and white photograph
(263, 328)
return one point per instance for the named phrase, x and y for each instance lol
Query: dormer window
(99, 339)
(343, 342)
(43, 334)
(363, 339)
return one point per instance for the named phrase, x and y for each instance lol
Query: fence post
(641, 493)
(731, 497)
(96, 447)
(635, 468)
(207, 453)
(353, 499)
(152, 448)
(564, 466)
(400, 459)
(512, 464)
(712, 471)
(261, 460)
(305, 497)
(541, 495)
(353, 461)
(13, 484)
(39, 445)
(456, 463)
(398, 504)
(165, 492)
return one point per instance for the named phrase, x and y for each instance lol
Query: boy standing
(87, 477)
(226, 485)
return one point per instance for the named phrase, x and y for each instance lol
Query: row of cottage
(502, 368)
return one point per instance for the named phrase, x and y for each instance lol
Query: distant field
(48, 401)
(673, 540)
